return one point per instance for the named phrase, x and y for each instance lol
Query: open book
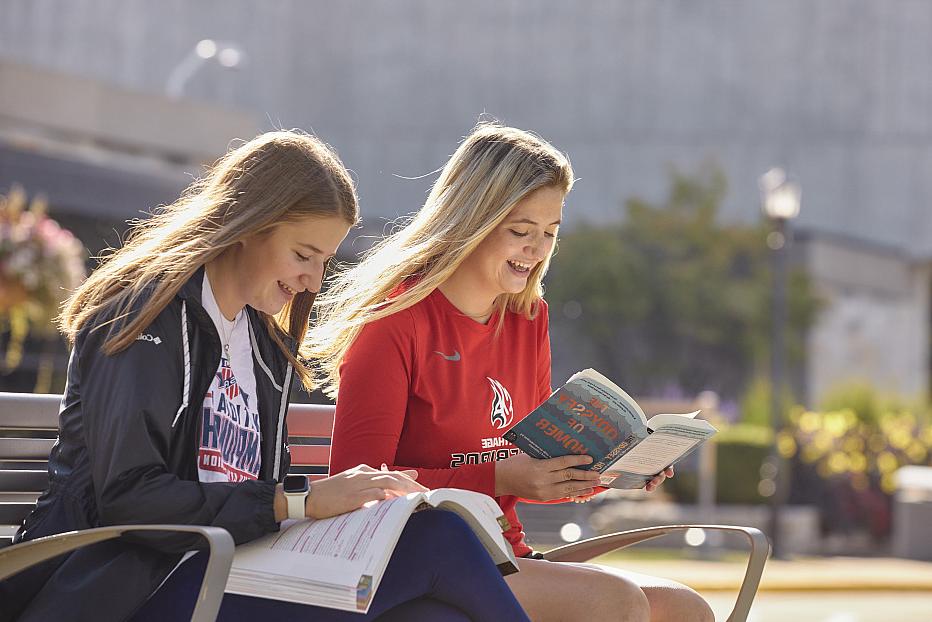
(338, 562)
(591, 415)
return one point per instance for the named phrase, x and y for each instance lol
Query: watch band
(296, 501)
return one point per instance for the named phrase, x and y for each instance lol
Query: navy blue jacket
(129, 430)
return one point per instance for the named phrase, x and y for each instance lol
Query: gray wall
(838, 91)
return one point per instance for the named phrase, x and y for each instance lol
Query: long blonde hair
(275, 178)
(491, 171)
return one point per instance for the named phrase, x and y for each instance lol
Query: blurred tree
(671, 298)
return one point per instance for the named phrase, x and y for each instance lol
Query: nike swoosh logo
(452, 357)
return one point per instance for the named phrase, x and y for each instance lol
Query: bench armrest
(599, 545)
(21, 556)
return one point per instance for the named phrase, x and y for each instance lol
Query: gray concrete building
(837, 92)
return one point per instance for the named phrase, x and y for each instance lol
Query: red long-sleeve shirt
(430, 389)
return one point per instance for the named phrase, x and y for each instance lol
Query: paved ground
(797, 575)
(838, 589)
(865, 606)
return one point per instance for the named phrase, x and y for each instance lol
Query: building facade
(838, 93)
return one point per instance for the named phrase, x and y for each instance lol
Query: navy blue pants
(438, 572)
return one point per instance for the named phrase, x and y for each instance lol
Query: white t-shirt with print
(230, 435)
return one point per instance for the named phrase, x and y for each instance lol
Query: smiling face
(503, 261)
(269, 268)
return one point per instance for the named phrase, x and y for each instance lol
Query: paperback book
(591, 415)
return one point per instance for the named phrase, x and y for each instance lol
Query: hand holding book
(546, 479)
(592, 416)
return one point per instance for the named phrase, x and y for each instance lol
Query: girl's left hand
(659, 479)
(650, 487)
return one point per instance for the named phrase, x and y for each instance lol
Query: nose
(314, 277)
(539, 246)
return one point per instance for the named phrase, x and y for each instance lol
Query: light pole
(226, 54)
(780, 200)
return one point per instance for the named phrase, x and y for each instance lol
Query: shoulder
(401, 324)
(163, 330)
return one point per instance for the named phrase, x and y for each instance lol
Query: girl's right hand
(544, 480)
(349, 490)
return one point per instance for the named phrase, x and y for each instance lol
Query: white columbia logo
(146, 337)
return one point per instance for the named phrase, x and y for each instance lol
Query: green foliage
(841, 445)
(740, 451)
(670, 297)
(864, 401)
(845, 462)
(756, 403)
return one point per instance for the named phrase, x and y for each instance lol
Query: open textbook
(591, 415)
(338, 562)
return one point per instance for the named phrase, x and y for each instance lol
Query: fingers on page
(372, 494)
(574, 460)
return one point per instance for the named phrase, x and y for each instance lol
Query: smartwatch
(296, 488)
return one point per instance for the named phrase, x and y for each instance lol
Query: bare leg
(564, 592)
(669, 601)
(561, 592)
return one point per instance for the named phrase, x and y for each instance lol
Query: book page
(687, 419)
(655, 453)
(339, 559)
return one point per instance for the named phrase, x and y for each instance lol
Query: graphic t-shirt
(431, 389)
(230, 434)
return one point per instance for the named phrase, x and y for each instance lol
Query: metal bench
(29, 425)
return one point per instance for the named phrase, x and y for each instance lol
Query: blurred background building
(106, 107)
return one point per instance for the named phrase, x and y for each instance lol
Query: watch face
(295, 484)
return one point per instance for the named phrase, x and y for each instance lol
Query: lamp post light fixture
(228, 55)
(780, 200)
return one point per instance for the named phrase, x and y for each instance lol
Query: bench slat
(310, 455)
(15, 506)
(312, 420)
(23, 480)
(6, 534)
(26, 448)
(29, 411)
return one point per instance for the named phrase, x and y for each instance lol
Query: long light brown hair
(491, 171)
(275, 178)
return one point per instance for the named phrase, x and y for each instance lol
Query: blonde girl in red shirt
(437, 341)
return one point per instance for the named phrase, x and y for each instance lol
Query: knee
(622, 599)
(443, 531)
(681, 605)
(439, 526)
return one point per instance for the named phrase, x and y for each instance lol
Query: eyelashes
(519, 234)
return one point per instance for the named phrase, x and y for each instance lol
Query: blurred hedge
(740, 451)
(841, 460)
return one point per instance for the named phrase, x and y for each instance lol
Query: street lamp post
(228, 55)
(780, 199)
